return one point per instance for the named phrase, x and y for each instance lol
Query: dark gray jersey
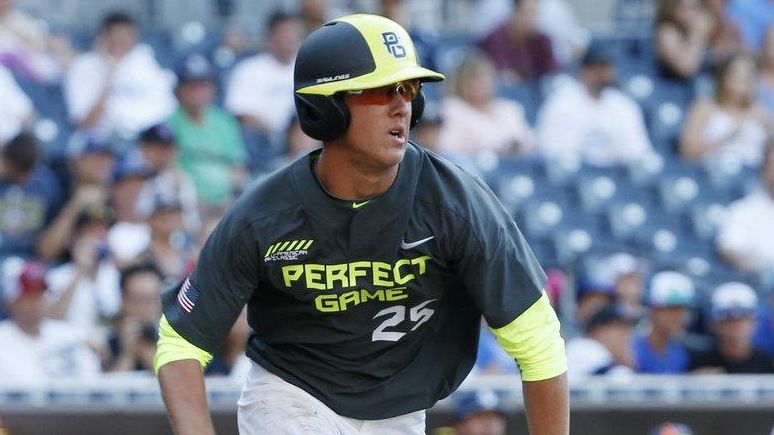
(372, 307)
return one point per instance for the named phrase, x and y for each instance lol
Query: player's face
(379, 125)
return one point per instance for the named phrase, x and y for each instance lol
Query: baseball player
(365, 267)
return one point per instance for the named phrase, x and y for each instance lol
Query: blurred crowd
(116, 163)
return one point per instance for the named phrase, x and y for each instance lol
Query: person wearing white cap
(733, 309)
(669, 298)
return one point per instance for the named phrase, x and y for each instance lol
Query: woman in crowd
(476, 119)
(731, 123)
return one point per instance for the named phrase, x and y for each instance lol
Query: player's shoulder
(266, 197)
(451, 186)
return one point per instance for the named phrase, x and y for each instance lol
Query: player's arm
(198, 315)
(179, 365)
(533, 339)
(182, 386)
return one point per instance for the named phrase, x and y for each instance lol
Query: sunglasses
(407, 90)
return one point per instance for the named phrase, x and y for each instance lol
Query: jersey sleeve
(204, 307)
(495, 262)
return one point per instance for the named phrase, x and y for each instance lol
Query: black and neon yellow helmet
(352, 53)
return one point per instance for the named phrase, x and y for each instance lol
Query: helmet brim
(373, 80)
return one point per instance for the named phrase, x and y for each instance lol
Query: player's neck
(343, 179)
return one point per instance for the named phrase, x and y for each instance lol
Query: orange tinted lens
(383, 95)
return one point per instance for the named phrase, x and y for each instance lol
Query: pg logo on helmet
(392, 42)
(351, 53)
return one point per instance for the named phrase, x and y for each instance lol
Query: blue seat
(626, 218)
(528, 95)
(705, 217)
(596, 188)
(678, 193)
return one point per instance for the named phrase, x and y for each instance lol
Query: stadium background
(573, 214)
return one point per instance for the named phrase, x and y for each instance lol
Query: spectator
(16, 111)
(745, 238)
(606, 347)
(628, 286)
(169, 249)
(27, 48)
(682, 33)
(478, 413)
(592, 119)
(315, 13)
(159, 150)
(595, 289)
(91, 164)
(765, 91)
(670, 296)
(129, 235)
(260, 90)
(38, 350)
(30, 196)
(118, 86)
(133, 340)
(670, 428)
(84, 291)
(725, 38)
(732, 124)
(425, 42)
(476, 119)
(519, 50)
(208, 139)
(569, 39)
(734, 306)
(764, 332)
(753, 17)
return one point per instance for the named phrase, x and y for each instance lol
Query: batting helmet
(352, 53)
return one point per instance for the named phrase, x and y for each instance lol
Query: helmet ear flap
(322, 117)
(417, 108)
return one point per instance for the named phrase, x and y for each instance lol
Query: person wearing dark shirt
(365, 267)
(30, 196)
(519, 50)
(733, 323)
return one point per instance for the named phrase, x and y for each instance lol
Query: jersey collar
(395, 201)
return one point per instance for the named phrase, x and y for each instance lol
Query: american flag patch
(187, 296)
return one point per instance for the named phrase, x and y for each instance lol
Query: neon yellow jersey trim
(173, 347)
(533, 339)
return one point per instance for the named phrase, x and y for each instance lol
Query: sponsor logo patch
(288, 250)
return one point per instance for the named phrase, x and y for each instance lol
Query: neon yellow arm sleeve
(173, 347)
(533, 339)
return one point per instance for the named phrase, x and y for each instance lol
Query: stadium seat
(731, 176)
(596, 188)
(678, 193)
(528, 95)
(705, 216)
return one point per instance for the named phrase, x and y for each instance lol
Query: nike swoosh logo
(357, 205)
(409, 245)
